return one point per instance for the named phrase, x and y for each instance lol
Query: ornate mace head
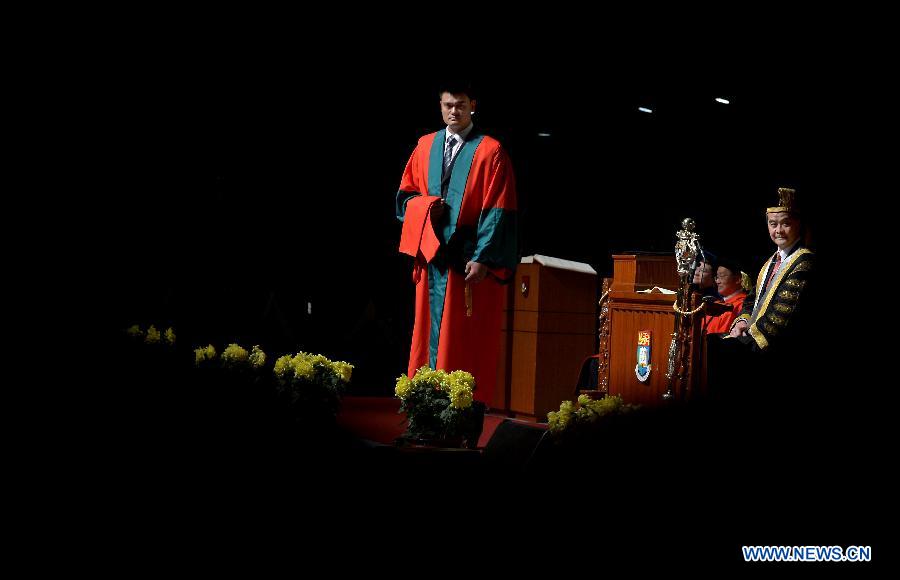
(687, 247)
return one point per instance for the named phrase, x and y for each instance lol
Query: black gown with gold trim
(775, 318)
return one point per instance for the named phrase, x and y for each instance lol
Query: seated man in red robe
(729, 280)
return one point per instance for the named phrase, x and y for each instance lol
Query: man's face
(703, 276)
(783, 229)
(727, 282)
(457, 111)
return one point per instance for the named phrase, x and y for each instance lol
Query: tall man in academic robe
(457, 202)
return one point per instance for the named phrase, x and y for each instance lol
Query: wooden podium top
(646, 300)
(632, 272)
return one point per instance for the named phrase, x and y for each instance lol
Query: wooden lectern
(625, 313)
(633, 272)
(549, 330)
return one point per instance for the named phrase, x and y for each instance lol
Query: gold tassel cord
(468, 300)
(688, 312)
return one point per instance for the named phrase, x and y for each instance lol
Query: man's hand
(437, 209)
(475, 272)
(739, 329)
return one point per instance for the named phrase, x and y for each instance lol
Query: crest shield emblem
(643, 367)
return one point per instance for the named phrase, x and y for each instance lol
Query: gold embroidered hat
(786, 201)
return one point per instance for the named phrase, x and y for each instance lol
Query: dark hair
(731, 266)
(457, 87)
(711, 259)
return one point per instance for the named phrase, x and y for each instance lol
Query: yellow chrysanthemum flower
(586, 411)
(404, 386)
(553, 421)
(463, 378)
(559, 420)
(460, 396)
(606, 405)
(283, 366)
(152, 335)
(204, 353)
(345, 370)
(135, 331)
(170, 336)
(234, 354)
(257, 357)
(303, 368)
(424, 376)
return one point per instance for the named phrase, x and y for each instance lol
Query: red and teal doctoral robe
(479, 224)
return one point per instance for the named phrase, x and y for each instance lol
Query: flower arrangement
(152, 335)
(585, 411)
(257, 357)
(304, 388)
(235, 356)
(439, 405)
(204, 354)
(312, 383)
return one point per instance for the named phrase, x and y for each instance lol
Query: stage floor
(376, 419)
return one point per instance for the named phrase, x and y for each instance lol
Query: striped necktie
(448, 152)
(775, 265)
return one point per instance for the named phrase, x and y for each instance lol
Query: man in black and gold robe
(768, 316)
(771, 347)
